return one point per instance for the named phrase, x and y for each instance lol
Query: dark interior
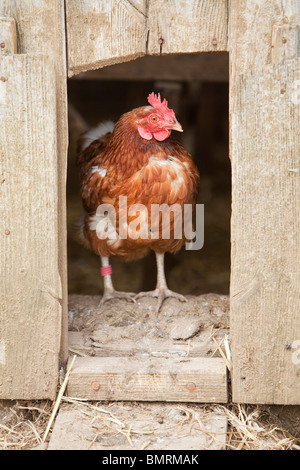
(196, 87)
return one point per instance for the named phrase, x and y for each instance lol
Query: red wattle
(162, 135)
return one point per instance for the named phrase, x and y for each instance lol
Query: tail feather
(95, 133)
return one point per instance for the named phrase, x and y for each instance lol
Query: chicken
(127, 172)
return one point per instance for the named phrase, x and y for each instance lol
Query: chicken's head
(158, 120)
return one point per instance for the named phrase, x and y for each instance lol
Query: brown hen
(130, 173)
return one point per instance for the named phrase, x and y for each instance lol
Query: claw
(112, 295)
(162, 295)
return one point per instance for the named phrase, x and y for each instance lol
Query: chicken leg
(161, 291)
(109, 292)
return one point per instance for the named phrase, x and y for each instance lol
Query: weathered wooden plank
(135, 426)
(251, 29)
(264, 149)
(41, 30)
(29, 281)
(265, 282)
(185, 26)
(149, 379)
(103, 33)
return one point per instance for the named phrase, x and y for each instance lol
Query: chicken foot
(116, 294)
(161, 291)
(109, 292)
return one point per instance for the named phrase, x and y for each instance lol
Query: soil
(125, 328)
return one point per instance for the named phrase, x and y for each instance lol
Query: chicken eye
(172, 121)
(154, 118)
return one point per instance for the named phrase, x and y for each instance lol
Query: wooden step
(192, 379)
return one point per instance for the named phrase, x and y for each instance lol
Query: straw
(58, 399)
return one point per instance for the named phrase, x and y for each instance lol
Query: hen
(127, 172)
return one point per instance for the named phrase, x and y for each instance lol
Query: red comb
(155, 101)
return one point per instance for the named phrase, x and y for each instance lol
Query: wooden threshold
(194, 379)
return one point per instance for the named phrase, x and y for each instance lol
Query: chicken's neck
(130, 151)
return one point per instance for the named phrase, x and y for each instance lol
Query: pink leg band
(106, 270)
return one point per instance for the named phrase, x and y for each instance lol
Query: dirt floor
(120, 326)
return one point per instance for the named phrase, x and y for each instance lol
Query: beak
(177, 127)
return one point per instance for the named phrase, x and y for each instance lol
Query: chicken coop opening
(196, 88)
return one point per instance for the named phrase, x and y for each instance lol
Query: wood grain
(265, 223)
(103, 33)
(41, 31)
(29, 281)
(285, 38)
(8, 36)
(149, 379)
(185, 26)
(251, 29)
(265, 282)
(133, 427)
